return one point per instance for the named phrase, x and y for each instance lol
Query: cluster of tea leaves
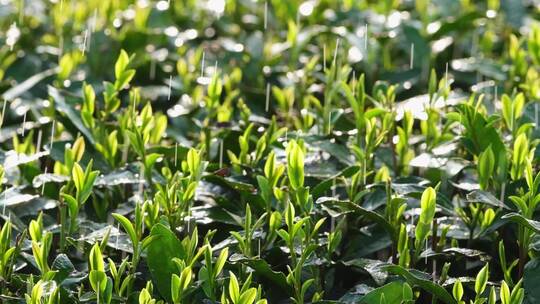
(318, 151)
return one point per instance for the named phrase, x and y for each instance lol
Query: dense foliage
(318, 151)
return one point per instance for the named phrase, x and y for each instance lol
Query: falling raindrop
(446, 76)
(52, 135)
(265, 14)
(84, 41)
(536, 115)
(365, 36)
(202, 64)
(425, 259)
(365, 165)
(44, 182)
(175, 154)
(336, 52)
(5, 203)
(332, 219)
(38, 145)
(221, 153)
(170, 86)
(324, 57)
(24, 123)
(3, 113)
(353, 83)
(411, 63)
(329, 121)
(267, 106)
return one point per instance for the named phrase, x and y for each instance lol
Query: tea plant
(251, 152)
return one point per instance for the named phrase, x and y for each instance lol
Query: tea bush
(318, 151)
